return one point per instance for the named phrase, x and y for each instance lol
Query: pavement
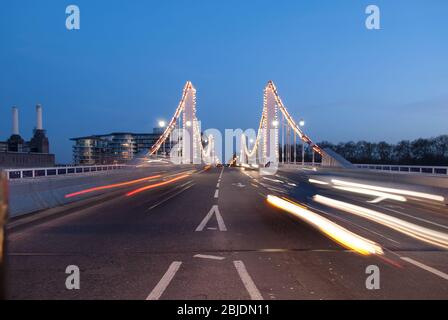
(210, 233)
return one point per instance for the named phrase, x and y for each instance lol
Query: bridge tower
(187, 130)
(270, 125)
(191, 136)
(277, 124)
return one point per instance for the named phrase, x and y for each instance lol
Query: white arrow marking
(239, 184)
(213, 211)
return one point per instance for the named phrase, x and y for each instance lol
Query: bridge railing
(29, 173)
(433, 170)
(299, 164)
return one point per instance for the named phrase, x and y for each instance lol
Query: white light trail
(341, 235)
(380, 195)
(415, 231)
(390, 190)
(317, 182)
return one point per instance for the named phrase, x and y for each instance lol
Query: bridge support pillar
(271, 126)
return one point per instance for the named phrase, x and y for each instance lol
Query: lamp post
(302, 124)
(162, 125)
(312, 149)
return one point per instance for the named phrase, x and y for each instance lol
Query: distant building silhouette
(117, 147)
(18, 153)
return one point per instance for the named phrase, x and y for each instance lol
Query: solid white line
(206, 256)
(213, 210)
(247, 281)
(216, 193)
(425, 267)
(157, 292)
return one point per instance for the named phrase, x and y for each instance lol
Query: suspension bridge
(184, 130)
(276, 142)
(188, 229)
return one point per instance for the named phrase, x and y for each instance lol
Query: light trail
(390, 190)
(380, 195)
(152, 186)
(339, 234)
(111, 186)
(415, 231)
(273, 180)
(317, 182)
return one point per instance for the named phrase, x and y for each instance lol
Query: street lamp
(302, 124)
(162, 125)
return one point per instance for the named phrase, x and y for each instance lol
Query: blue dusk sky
(125, 68)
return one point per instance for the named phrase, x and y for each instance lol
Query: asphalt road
(211, 234)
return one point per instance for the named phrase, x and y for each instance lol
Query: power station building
(114, 148)
(18, 153)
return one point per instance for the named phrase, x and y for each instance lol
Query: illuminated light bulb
(275, 123)
(188, 123)
(162, 124)
(302, 123)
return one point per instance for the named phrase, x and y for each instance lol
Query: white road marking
(216, 193)
(239, 185)
(213, 211)
(212, 228)
(217, 185)
(157, 292)
(206, 256)
(425, 267)
(247, 281)
(411, 216)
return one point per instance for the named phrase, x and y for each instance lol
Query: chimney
(15, 121)
(39, 117)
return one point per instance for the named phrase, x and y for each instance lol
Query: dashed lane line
(249, 284)
(160, 288)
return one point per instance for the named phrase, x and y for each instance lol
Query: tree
(433, 151)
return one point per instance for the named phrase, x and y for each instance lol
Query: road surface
(211, 234)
